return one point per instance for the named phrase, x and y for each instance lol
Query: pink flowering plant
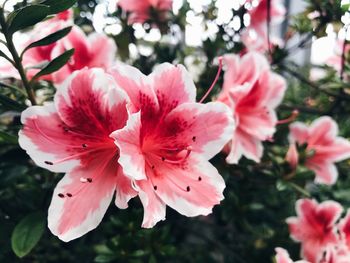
(174, 131)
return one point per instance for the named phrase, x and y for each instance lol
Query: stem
(269, 27)
(16, 58)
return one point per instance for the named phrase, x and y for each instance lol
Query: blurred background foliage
(250, 222)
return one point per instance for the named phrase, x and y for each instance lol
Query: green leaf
(27, 233)
(57, 6)
(27, 16)
(52, 38)
(55, 64)
(10, 104)
(6, 138)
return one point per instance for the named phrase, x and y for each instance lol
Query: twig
(16, 58)
(269, 27)
(302, 109)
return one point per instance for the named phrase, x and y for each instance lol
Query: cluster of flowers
(113, 130)
(324, 237)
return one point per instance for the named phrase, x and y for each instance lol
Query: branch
(16, 58)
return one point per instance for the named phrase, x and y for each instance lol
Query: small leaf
(27, 16)
(27, 233)
(57, 6)
(52, 38)
(55, 64)
(6, 138)
(10, 104)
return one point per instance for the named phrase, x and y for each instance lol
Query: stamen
(74, 156)
(292, 117)
(215, 81)
(61, 195)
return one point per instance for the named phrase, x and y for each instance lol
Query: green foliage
(27, 16)
(250, 221)
(52, 38)
(27, 233)
(55, 64)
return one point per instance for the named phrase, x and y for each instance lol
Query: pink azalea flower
(140, 11)
(255, 36)
(72, 136)
(253, 92)
(323, 145)
(85, 55)
(282, 256)
(314, 226)
(96, 50)
(38, 55)
(168, 140)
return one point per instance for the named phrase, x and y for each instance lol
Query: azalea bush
(174, 131)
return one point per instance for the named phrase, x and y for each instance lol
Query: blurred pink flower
(140, 11)
(96, 50)
(37, 55)
(72, 136)
(323, 147)
(314, 226)
(168, 140)
(255, 35)
(335, 61)
(292, 156)
(282, 256)
(253, 92)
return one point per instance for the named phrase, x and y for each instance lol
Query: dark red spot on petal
(188, 189)
(61, 195)
(89, 180)
(69, 194)
(49, 163)
(199, 178)
(155, 188)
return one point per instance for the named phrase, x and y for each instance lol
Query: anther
(61, 195)
(69, 194)
(49, 163)
(199, 178)
(155, 188)
(188, 189)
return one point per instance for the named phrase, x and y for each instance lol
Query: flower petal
(204, 127)
(44, 138)
(128, 141)
(90, 102)
(192, 189)
(326, 173)
(124, 189)
(154, 207)
(173, 86)
(298, 133)
(84, 204)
